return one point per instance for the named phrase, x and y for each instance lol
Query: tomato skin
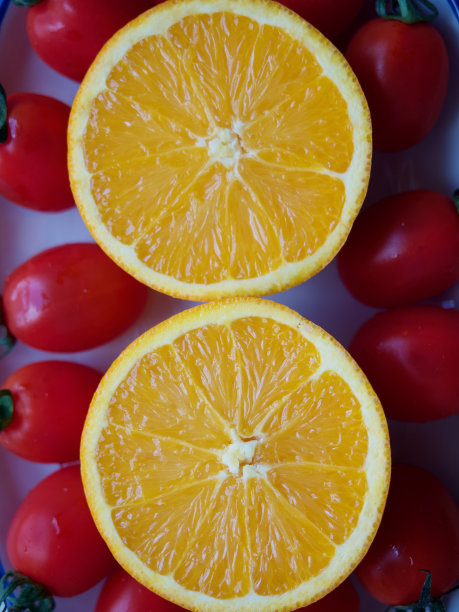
(122, 593)
(403, 70)
(33, 159)
(331, 17)
(344, 598)
(70, 298)
(419, 531)
(410, 356)
(68, 34)
(402, 250)
(51, 399)
(52, 537)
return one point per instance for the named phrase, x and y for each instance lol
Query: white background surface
(433, 164)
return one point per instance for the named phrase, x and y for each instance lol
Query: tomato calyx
(6, 408)
(3, 116)
(31, 595)
(408, 11)
(26, 2)
(7, 340)
(425, 603)
(456, 199)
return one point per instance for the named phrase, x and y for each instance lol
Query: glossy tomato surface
(411, 357)
(419, 531)
(122, 593)
(68, 34)
(70, 298)
(402, 249)
(50, 402)
(342, 599)
(33, 159)
(52, 537)
(403, 70)
(331, 17)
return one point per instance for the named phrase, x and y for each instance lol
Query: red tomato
(121, 593)
(402, 250)
(331, 17)
(33, 158)
(70, 298)
(411, 358)
(68, 34)
(52, 537)
(419, 531)
(50, 402)
(342, 599)
(403, 70)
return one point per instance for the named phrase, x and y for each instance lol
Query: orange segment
(287, 549)
(331, 498)
(153, 78)
(273, 358)
(219, 148)
(314, 124)
(209, 356)
(146, 466)
(197, 229)
(283, 192)
(269, 81)
(235, 458)
(254, 242)
(224, 555)
(321, 422)
(163, 377)
(158, 530)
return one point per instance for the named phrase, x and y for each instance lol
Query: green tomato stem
(7, 341)
(6, 408)
(425, 603)
(26, 2)
(408, 11)
(456, 199)
(3, 116)
(31, 596)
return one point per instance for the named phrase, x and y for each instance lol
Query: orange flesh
(215, 150)
(232, 462)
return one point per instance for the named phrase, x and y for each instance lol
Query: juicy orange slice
(220, 148)
(235, 458)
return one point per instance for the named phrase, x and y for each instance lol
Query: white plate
(433, 164)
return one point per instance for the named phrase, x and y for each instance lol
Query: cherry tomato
(52, 537)
(50, 401)
(411, 358)
(403, 70)
(419, 531)
(68, 34)
(122, 593)
(331, 17)
(70, 298)
(33, 158)
(343, 599)
(402, 250)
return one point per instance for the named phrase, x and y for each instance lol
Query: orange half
(236, 458)
(220, 148)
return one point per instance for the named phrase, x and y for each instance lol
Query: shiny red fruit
(52, 537)
(50, 401)
(33, 158)
(419, 531)
(70, 298)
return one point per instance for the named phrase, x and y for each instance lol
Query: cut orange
(220, 148)
(236, 458)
